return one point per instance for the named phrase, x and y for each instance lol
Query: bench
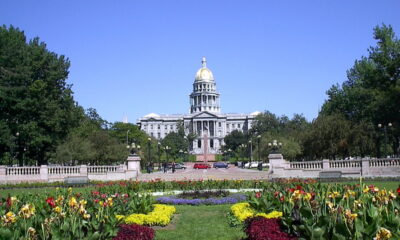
(77, 180)
(330, 174)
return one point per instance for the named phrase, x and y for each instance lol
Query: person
(259, 166)
(173, 167)
(148, 167)
(164, 167)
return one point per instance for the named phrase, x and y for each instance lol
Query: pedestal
(133, 169)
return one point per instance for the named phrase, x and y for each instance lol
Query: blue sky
(136, 57)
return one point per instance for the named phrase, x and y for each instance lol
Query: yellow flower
(349, 193)
(350, 216)
(27, 211)
(86, 216)
(83, 202)
(273, 214)
(72, 202)
(9, 218)
(57, 209)
(307, 197)
(333, 194)
(242, 211)
(383, 234)
(69, 190)
(161, 215)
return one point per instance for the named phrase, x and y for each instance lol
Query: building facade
(204, 119)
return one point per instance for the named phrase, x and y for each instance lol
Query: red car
(201, 166)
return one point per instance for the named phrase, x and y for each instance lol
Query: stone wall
(371, 167)
(44, 173)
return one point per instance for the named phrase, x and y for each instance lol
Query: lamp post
(149, 154)
(159, 155)
(380, 126)
(167, 148)
(258, 146)
(275, 145)
(251, 151)
(127, 137)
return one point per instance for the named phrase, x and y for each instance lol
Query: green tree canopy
(37, 109)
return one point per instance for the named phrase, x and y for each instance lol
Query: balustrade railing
(306, 165)
(103, 169)
(64, 170)
(22, 171)
(345, 164)
(383, 162)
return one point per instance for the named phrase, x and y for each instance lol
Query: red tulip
(398, 191)
(50, 201)
(258, 194)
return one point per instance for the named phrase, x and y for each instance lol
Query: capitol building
(204, 119)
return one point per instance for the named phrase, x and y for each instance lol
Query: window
(158, 135)
(166, 127)
(151, 126)
(158, 126)
(211, 143)
(152, 134)
(238, 125)
(199, 143)
(219, 124)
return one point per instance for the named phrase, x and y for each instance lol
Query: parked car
(255, 165)
(177, 166)
(201, 166)
(220, 165)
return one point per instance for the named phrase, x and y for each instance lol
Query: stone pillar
(2, 173)
(364, 167)
(133, 169)
(84, 170)
(44, 174)
(325, 164)
(276, 165)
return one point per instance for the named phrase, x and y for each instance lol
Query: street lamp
(133, 148)
(275, 145)
(380, 126)
(166, 152)
(258, 146)
(159, 155)
(251, 151)
(127, 137)
(149, 154)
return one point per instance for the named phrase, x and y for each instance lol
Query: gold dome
(204, 74)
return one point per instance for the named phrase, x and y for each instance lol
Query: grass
(200, 223)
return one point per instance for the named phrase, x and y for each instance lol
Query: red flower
(258, 194)
(50, 201)
(398, 191)
(9, 202)
(282, 199)
(103, 195)
(96, 200)
(298, 187)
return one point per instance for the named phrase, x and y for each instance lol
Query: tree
(90, 143)
(371, 93)
(36, 103)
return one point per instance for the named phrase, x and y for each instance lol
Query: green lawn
(200, 223)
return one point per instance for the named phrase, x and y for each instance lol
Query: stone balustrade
(44, 173)
(382, 167)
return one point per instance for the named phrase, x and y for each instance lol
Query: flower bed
(261, 228)
(134, 232)
(161, 215)
(243, 211)
(175, 200)
(316, 211)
